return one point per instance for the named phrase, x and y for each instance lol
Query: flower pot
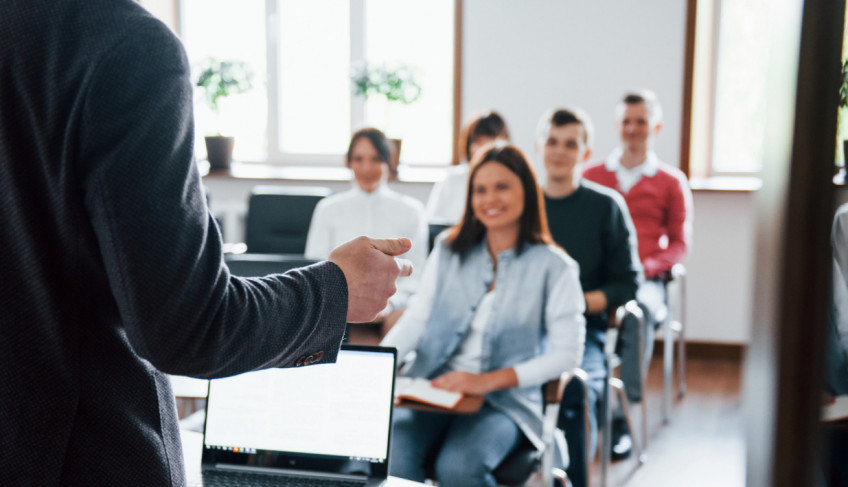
(219, 151)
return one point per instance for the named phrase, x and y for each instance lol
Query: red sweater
(661, 208)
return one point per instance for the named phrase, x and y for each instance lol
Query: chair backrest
(566, 408)
(257, 265)
(278, 218)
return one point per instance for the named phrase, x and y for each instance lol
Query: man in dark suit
(112, 266)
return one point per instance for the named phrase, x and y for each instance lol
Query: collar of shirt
(381, 191)
(627, 178)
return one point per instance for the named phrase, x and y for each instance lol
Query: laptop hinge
(290, 473)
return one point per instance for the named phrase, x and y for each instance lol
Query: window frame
(698, 134)
(278, 158)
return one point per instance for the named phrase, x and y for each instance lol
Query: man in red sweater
(660, 204)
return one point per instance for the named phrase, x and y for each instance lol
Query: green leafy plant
(395, 82)
(843, 88)
(219, 79)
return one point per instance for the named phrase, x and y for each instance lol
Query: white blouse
(447, 200)
(469, 356)
(380, 214)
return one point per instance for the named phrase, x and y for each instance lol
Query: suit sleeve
(161, 250)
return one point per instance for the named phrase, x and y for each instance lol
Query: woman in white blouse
(448, 195)
(499, 312)
(370, 208)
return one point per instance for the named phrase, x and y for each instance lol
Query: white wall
(721, 267)
(522, 57)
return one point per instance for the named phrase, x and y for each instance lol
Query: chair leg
(681, 362)
(616, 384)
(681, 342)
(668, 364)
(643, 382)
(606, 444)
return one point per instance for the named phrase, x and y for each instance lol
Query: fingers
(405, 267)
(392, 246)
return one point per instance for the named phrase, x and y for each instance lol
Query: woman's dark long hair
(378, 140)
(534, 224)
(484, 124)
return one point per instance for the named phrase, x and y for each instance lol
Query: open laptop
(323, 425)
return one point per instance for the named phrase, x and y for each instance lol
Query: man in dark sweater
(112, 265)
(592, 224)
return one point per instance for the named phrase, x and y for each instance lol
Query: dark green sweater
(593, 226)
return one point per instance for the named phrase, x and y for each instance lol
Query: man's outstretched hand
(370, 267)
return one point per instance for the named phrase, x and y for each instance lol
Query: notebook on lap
(323, 425)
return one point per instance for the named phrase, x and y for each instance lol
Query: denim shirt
(536, 324)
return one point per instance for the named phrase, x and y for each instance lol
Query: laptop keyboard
(238, 479)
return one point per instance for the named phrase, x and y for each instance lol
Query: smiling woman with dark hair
(499, 312)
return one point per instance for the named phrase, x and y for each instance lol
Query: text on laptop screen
(340, 409)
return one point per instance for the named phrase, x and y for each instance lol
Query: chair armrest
(555, 388)
(617, 320)
(678, 271)
(551, 435)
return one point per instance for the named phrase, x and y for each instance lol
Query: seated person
(660, 203)
(499, 313)
(592, 224)
(835, 437)
(370, 208)
(447, 199)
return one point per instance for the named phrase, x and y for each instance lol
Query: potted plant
(219, 79)
(397, 84)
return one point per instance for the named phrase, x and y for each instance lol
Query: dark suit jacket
(111, 265)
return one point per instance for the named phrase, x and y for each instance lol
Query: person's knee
(462, 468)
(407, 452)
(406, 463)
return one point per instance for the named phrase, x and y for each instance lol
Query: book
(420, 390)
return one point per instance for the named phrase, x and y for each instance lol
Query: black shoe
(622, 442)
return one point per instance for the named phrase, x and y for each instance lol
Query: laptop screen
(332, 418)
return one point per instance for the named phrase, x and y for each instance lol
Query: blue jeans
(462, 450)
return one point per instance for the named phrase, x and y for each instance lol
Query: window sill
(266, 172)
(726, 183)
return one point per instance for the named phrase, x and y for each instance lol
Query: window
(302, 109)
(740, 103)
(729, 87)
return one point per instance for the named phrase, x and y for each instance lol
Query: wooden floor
(703, 444)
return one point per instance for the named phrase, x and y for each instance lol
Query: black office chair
(526, 460)
(257, 265)
(278, 218)
(434, 230)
